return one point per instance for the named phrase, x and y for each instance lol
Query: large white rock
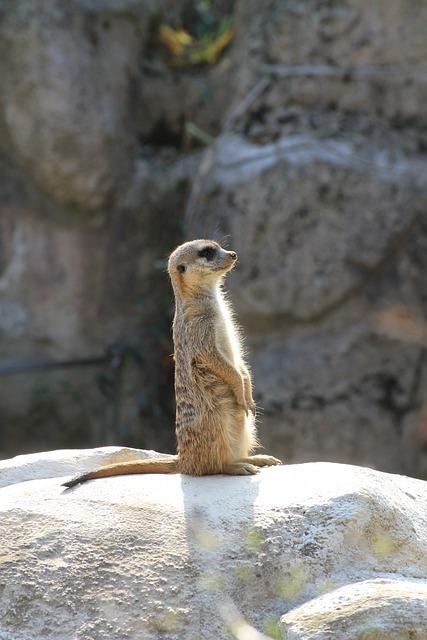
(390, 609)
(338, 551)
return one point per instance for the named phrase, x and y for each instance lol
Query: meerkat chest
(226, 334)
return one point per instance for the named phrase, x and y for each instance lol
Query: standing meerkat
(215, 423)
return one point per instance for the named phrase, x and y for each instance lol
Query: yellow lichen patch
(212, 581)
(206, 538)
(371, 634)
(290, 586)
(324, 586)
(254, 540)
(244, 572)
(384, 545)
(169, 620)
(272, 629)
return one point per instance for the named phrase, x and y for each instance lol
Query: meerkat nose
(232, 255)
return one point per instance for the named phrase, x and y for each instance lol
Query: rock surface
(333, 549)
(67, 75)
(313, 184)
(388, 609)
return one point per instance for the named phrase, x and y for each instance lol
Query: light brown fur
(215, 409)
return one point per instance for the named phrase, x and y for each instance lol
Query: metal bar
(27, 367)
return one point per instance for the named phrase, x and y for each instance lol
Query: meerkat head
(199, 264)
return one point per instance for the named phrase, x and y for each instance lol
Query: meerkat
(215, 410)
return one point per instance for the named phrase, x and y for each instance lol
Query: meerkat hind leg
(262, 460)
(240, 468)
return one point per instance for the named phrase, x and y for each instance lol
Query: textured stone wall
(320, 185)
(317, 178)
(88, 213)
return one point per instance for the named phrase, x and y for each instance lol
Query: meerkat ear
(181, 268)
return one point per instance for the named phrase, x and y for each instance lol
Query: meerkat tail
(154, 465)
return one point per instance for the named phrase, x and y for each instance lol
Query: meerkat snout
(199, 263)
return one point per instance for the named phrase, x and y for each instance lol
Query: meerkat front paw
(250, 402)
(241, 399)
(240, 468)
(263, 460)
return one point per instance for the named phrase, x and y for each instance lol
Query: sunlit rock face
(381, 609)
(305, 551)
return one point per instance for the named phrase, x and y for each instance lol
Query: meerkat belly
(242, 428)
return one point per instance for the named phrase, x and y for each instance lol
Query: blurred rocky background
(293, 131)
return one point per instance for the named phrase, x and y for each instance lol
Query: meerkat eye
(207, 252)
(181, 268)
